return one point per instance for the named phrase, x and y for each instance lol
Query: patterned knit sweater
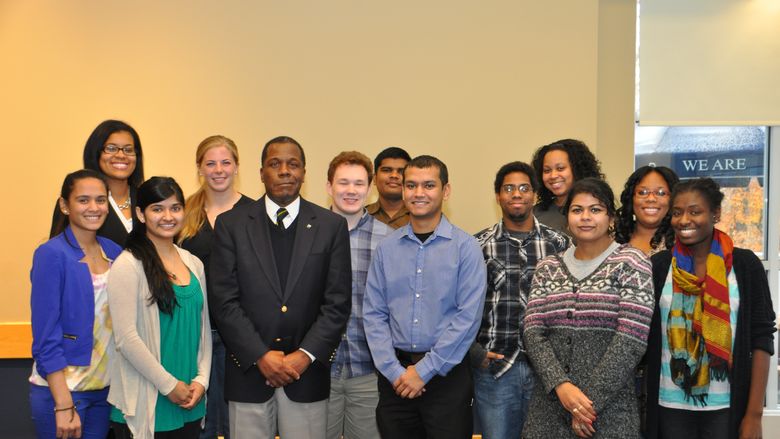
(591, 332)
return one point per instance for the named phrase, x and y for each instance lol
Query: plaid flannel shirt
(510, 267)
(353, 358)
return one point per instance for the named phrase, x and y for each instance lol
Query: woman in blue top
(70, 322)
(157, 298)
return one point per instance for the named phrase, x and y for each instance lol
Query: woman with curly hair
(558, 165)
(643, 219)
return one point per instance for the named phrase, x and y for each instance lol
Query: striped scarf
(699, 322)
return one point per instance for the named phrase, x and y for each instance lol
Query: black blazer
(112, 229)
(254, 315)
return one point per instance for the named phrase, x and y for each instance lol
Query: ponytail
(194, 215)
(60, 221)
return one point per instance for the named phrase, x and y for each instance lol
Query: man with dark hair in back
(280, 296)
(423, 305)
(389, 207)
(503, 379)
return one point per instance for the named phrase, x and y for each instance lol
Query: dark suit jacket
(112, 229)
(254, 315)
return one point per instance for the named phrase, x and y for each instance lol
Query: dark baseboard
(15, 419)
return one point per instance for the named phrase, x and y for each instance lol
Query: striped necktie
(281, 214)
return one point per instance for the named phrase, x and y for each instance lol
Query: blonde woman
(217, 161)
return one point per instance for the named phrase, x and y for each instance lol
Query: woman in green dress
(157, 300)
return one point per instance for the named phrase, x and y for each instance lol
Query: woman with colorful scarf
(712, 332)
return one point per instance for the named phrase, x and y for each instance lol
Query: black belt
(409, 358)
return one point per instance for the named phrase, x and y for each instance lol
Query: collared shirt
(401, 218)
(353, 358)
(424, 297)
(292, 210)
(510, 267)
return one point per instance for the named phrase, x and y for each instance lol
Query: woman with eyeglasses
(586, 326)
(643, 221)
(114, 150)
(558, 165)
(712, 332)
(643, 218)
(71, 326)
(157, 299)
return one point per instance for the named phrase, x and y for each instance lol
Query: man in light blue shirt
(422, 309)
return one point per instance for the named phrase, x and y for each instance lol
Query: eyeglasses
(511, 188)
(111, 149)
(659, 193)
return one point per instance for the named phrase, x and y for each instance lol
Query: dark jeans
(442, 412)
(694, 424)
(190, 430)
(216, 406)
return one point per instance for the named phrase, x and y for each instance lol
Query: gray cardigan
(592, 333)
(136, 373)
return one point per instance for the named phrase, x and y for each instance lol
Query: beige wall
(477, 84)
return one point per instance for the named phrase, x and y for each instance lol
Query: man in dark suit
(281, 289)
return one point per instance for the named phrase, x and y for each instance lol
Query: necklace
(125, 205)
(172, 276)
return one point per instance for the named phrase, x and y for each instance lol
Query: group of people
(220, 314)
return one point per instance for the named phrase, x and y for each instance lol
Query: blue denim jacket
(63, 303)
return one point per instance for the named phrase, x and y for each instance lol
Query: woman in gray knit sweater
(586, 326)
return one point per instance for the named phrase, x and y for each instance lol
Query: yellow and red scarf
(699, 322)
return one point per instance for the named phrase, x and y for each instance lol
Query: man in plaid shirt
(353, 383)
(503, 379)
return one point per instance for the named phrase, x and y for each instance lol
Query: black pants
(694, 424)
(190, 430)
(442, 412)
